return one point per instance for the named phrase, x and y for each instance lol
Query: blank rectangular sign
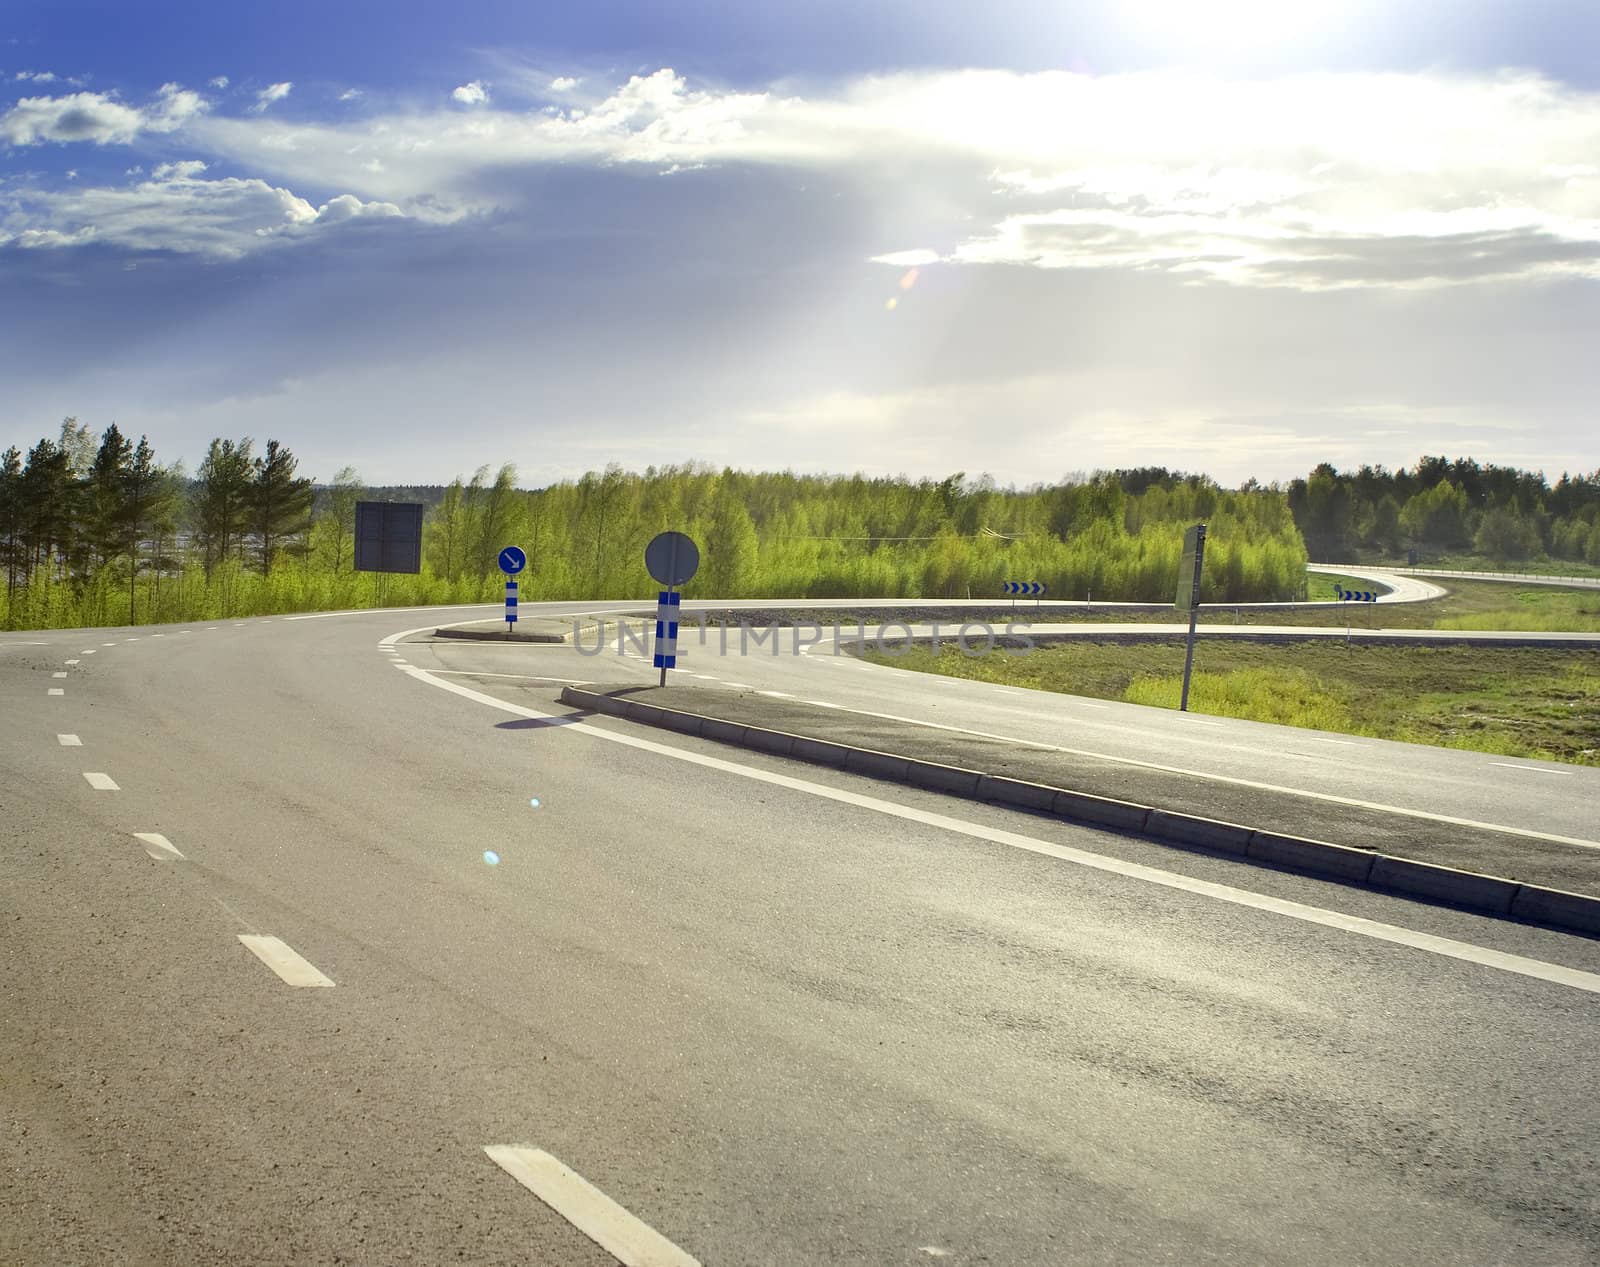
(388, 536)
(1194, 555)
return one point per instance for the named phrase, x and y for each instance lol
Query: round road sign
(512, 560)
(671, 558)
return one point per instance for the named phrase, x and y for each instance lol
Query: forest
(95, 531)
(1447, 507)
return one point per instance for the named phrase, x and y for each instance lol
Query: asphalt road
(781, 1015)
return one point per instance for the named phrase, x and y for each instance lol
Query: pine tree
(147, 500)
(280, 503)
(49, 508)
(221, 503)
(105, 512)
(11, 556)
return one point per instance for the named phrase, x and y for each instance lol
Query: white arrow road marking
(69, 741)
(622, 1235)
(1444, 946)
(281, 959)
(157, 846)
(101, 782)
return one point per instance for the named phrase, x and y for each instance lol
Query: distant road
(1517, 578)
(1402, 589)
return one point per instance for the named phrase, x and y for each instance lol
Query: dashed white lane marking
(293, 969)
(101, 782)
(158, 635)
(108, 644)
(63, 673)
(55, 690)
(135, 638)
(88, 651)
(1531, 769)
(69, 741)
(72, 661)
(624, 1236)
(158, 846)
(1374, 929)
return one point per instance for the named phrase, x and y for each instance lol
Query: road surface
(775, 1014)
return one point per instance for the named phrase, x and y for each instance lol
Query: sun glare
(1236, 25)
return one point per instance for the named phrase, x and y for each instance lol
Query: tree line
(94, 531)
(1448, 506)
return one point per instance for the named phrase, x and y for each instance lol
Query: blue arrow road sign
(1023, 587)
(512, 560)
(1357, 596)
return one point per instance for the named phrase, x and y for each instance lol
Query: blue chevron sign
(1033, 588)
(1356, 596)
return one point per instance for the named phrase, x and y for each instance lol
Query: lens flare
(491, 857)
(534, 802)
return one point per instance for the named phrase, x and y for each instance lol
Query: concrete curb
(460, 630)
(1484, 894)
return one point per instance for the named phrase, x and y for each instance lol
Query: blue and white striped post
(511, 604)
(667, 606)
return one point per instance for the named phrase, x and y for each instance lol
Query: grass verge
(1517, 702)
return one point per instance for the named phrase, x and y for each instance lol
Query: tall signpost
(1188, 599)
(512, 561)
(671, 559)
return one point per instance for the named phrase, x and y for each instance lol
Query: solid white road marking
(1531, 769)
(62, 673)
(776, 694)
(55, 690)
(281, 959)
(1332, 798)
(523, 677)
(1343, 743)
(624, 1236)
(101, 782)
(1083, 703)
(740, 686)
(69, 741)
(1377, 931)
(157, 846)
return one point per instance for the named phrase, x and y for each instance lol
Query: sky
(1024, 239)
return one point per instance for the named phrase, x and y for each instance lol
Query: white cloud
(908, 259)
(37, 76)
(96, 117)
(270, 94)
(564, 83)
(350, 94)
(219, 81)
(177, 210)
(1312, 182)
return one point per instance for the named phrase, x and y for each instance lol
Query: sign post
(671, 559)
(1188, 599)
(512, 561)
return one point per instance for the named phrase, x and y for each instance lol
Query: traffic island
(1525, 877)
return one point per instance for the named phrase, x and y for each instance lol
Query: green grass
(1519, 702)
